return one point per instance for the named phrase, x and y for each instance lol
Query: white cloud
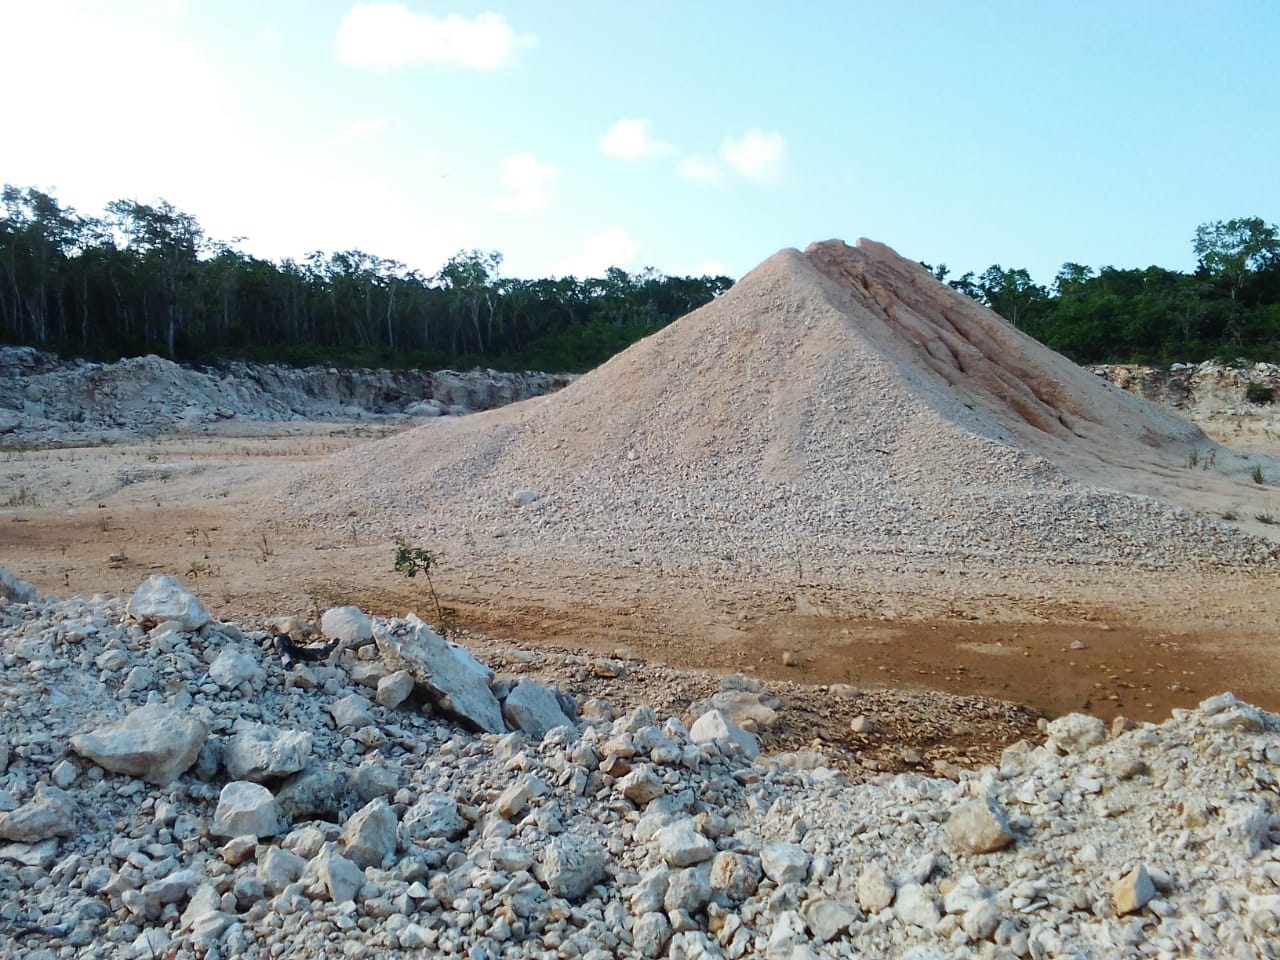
(630, 140)
(758, 155)
(359, 129)
(700, 170)
(527, 180)
(388, 35)
(613, 248)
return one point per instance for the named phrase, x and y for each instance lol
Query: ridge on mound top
(835, 403)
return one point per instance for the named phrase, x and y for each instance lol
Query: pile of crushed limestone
(175, 786)
(836, 408)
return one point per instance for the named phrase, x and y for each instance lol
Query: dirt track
(1101, 639)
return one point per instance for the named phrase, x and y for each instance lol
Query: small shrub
(1193, 460)
(1258, 478)
(1230, 515)
(1259, 393)
(412, 560)
(1266, 518)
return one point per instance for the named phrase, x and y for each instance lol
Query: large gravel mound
(835, 405)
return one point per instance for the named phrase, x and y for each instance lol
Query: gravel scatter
(1159, 840)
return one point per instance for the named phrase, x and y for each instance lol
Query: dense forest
(1229, 308)
(144, 278)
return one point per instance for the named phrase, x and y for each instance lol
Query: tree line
(1228, 307)
(145, 278)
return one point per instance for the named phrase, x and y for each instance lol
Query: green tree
(1231, 250)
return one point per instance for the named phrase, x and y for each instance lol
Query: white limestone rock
(352, 712)
(572, 865)
(714, 726)
(161, 597)
(395, 688)
(975, 904)
(433, 816)
(917, 904)
(369, 838)
(258, 752)
(979, 826)
(736, 875)
(784, 862)
(1077, 732)
(875, 887)
(346, 624)
(682, 845)
(13, 590)
(155, 742)
(232, 667)
(533, 708)
(455, 679)
(247, 808)
(650, 934)
(1133, 891)
(828, 918)
(51, 813)
(641, 785)
(341, 878)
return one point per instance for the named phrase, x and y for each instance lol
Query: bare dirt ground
(1104, 640)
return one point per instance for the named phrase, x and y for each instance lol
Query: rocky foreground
(174, 786)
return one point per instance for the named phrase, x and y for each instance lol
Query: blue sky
(692, 136)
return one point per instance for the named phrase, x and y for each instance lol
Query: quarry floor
(1103, 640)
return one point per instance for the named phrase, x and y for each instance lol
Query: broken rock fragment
(247, 808)
(51, 814)
(979, 826)
(258, 752)
(161, 597)
(456, 679)
(156, 742)
(533, 708)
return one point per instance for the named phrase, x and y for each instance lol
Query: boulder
(341, 878)
(918, 905)
(650, 934)
(736, 875)
(979, 826)
(1077, 732)
(160, 597)
(233, 667)
(434, 816)
(277, 868)
(346, 625)
(14, 590)
(828, 918)
(247, 808)
(395, 688)
(258, 752)
(875, 888)
(369, 838)
(714, 726)
(52, 813)
(784, 862)
(452, 676)
(682, 845)
(533, 708)
(316, 793)
(572, 865)
(156, 742)
(1133, 891)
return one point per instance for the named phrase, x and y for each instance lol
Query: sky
(692, 136)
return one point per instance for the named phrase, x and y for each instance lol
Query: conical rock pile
(835, 404)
